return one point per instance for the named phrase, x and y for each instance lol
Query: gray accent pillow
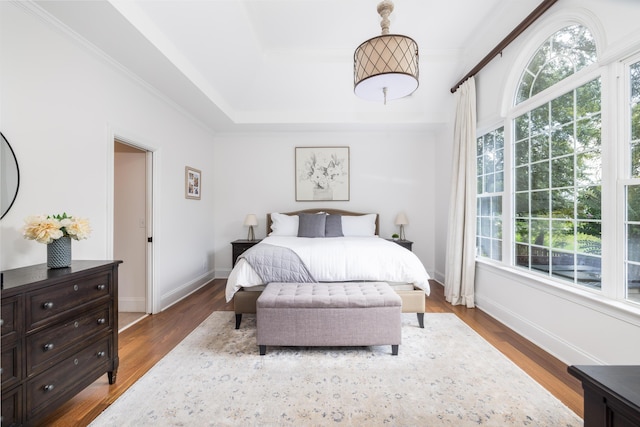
(311, 225)
(333, 226)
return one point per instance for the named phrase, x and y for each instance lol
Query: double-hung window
(490, 188)
(557, 178)
(632, 189)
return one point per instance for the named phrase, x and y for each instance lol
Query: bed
(342, 246)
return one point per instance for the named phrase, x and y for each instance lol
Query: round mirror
(9, 176)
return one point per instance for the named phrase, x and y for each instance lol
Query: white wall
(389, 172)
(442, 169)
(575, 326)
(61, 105)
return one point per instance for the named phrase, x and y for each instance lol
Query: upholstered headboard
(329, 211)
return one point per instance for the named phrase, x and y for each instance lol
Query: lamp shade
(251, 220)
(385, 67)
(401, 219)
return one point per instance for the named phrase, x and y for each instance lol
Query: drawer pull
(76, 287)
(47, 305)
(102, 287)
(48, 347)
(101, 354)
(48, 387)
(102, 321)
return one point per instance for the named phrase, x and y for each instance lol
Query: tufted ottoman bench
(329, 314)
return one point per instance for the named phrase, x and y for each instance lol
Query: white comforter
(341, 259)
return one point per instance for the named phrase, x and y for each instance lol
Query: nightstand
(240, 246)
(407, 244)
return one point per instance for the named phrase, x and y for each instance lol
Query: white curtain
(461, 237)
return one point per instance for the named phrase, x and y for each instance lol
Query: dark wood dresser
(59, 334)
(611, 395)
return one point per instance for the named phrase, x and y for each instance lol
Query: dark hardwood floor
(142, 345)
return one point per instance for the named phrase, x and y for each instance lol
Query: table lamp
(402, 220)
(251, 220)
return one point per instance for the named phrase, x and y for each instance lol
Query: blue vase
(59, 253)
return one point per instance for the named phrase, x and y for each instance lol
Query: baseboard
(132, 304)
(223, 273)
(544, 339)
(437, 275)
(185, 290)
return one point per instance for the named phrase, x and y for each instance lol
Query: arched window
(557, 163)
(563, 54)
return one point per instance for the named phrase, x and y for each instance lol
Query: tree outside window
(557, 165)
(632, 220)
(490, 186)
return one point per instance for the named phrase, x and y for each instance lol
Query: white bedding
(341, 259)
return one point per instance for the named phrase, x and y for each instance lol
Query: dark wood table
(240, 246)
(611, 395)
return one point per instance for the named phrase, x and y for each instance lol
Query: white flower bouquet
(46, 229)
(323, 170)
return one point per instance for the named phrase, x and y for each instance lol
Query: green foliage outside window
(567, 51)
(490, 185)
(634, 71)
(557, 164)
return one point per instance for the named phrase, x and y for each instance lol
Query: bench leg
(238, 320)
(420, 320)
(263, 349)
(394, 349)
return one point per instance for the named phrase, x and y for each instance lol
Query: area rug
(445, 374)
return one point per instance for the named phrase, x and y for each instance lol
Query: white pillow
(359, 225)
(283, 225)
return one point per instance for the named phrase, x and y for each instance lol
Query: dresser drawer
(44, 346)
(12, 401)
(10, 311)
(46, 303)
(11, 364)
(69, 376)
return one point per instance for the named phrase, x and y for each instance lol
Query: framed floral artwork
(192, 182)
(322, 173)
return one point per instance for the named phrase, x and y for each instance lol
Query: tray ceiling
(288, 64)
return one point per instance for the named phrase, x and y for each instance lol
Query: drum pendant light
(386, 67)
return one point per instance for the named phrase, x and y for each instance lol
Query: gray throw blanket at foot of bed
(277, 264)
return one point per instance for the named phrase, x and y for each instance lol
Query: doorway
(132, 230)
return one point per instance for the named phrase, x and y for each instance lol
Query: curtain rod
(533, 16)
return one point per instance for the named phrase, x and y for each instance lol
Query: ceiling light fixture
(386, 67)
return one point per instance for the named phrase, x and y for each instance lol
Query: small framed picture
(322, 173)
(192, 180)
